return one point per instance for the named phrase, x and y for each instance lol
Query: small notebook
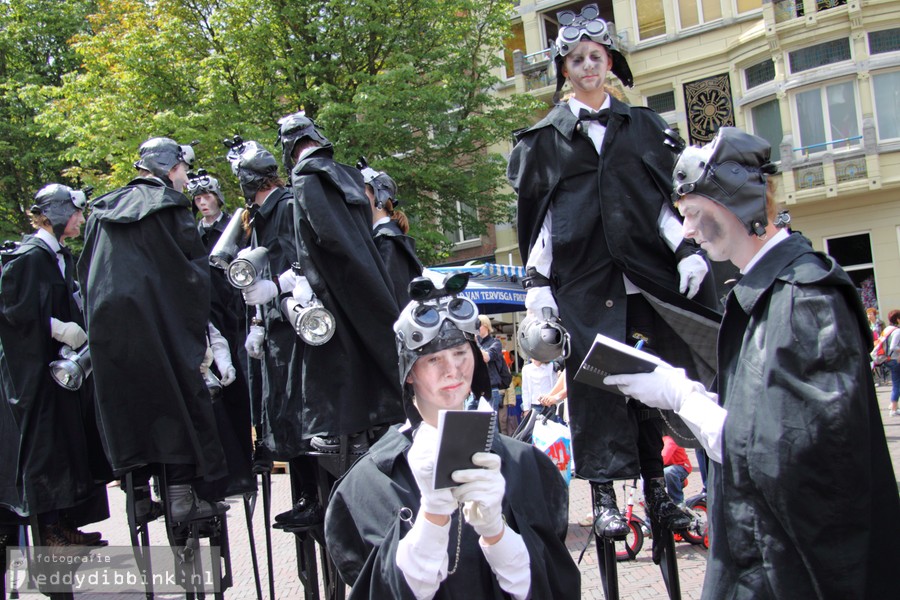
(461, 433)
(610, 357)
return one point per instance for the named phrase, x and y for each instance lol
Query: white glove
(666, 387)
(421, 457)
(537, 298)
(303, 293)
(207, 360)
(287, 280)
(222, 356)
(254, 342)
(260, 292)
(692, 270)
(481, 492)
(69, 333)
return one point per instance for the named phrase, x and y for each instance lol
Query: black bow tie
(64, 250)
(601, 116)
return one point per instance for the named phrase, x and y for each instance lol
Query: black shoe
(357, 444)
(263, 461)
(660, 507)
(608, 521)
(305, 513)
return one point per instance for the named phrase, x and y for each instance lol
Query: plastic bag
(554, 440)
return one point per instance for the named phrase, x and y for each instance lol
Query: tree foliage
(34, 53)
(405, 83)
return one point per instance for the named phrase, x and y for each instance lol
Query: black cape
(350, 383)
(232, 407)
(52, 456)
(146, 289)
(804, 503)
(605, 210)
(362, 526)
(281, 386)
(398, 252)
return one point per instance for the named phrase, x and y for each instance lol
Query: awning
(494, 288)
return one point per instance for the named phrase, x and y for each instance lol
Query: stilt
(249, 509)
(668, 565)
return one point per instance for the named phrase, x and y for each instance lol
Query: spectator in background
(875, 324)
(537, 380)
(676, 467)
(492, 353)
(891, 343)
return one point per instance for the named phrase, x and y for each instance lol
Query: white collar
(771, 243)
(47, 237)
(576, 105)
(381, 221)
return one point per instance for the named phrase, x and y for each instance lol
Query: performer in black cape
(803, 500)
(392, 535)
(226, 337)
(53, 463)
(146, 287)
(274, 343)
(598, 232)
(390, 228)
(347, 389)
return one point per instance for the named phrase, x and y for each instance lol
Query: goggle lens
(426, 316)
(79, 199)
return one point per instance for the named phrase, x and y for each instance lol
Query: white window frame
(637, 24)
(737, 12)
(461, 232)
(701, 20)
(821, 86)
(875, 103)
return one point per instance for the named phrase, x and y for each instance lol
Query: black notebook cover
(610, 357)
(461, 433)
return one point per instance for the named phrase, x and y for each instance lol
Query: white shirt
(537, 381)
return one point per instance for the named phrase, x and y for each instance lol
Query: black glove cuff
(534, 279)
(685, 249)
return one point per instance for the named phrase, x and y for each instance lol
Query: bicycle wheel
(698, 532)
(628, 548)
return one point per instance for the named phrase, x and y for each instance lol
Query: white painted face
(208, 205)
(442, 380)
(715, 228)
(586, 68)
(178, 176)
(73, 225)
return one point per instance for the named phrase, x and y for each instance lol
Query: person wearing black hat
(802, 497)
(347, 389)
(51, 459)
(146, 284)
(273, 343)
(499, 533)
(390, 229)
(598, 233)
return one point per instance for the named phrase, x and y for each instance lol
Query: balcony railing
(805, 150)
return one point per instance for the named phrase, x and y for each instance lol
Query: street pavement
(638, 579)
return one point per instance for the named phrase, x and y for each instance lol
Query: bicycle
(628, 548)
(698, 532)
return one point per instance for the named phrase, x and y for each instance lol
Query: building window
(747, 5)
(759, 73)
(766, 119)
(854, 254)
(887, 104)
(515, 41)
(887, 40)
(819, 55)
(650, 17)
(460, 234)
(828, 117)
(662, 103)
(694, 12)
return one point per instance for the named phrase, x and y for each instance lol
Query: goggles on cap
(200, 182)
(187, 154)
(574, 27)
(80, 197)
(422, 319)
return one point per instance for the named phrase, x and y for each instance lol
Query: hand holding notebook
(461, 433)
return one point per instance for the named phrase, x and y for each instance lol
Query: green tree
(34, 52)
(403, 82)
